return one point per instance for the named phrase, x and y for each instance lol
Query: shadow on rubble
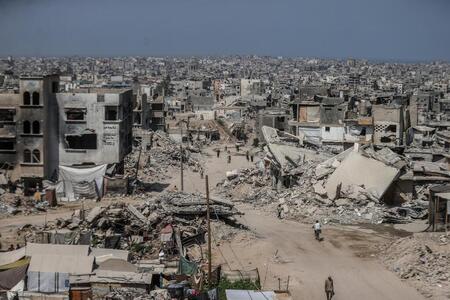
(234, 223)
(152, 187)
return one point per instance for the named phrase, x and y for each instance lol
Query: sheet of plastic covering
(9, 257)
(10, 278)
(12, 293)
(249, 295)
(78, 179)
(50, 273)
(47, 282)
(33, 249)
(102, 254)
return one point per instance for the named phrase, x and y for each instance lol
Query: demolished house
(284, 156)
(364, 183)
(123, 250)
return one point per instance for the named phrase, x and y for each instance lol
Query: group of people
(248, 155)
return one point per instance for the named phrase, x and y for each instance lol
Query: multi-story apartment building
(27, 145)
(41, 129)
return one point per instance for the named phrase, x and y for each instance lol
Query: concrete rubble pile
(423, 260)
(162, 153)
(347, 188)
(15, 203)
(129, 294)
(136, 228)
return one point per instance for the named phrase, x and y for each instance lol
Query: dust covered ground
(366, 261)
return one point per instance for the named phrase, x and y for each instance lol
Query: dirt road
(347, 254)
(286, 248)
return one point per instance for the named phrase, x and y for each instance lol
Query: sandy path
(346, 254)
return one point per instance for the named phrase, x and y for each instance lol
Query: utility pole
(181, 158)
(209, 231)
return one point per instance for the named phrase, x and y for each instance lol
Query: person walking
(317, 230)
(218, 153)
(247, 155)
(279, 210)
(329, 287)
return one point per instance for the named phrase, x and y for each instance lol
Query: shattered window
(7, 144)
(26, 127)
(26, 156)
(26, 98)
(55, 87)
(157, 106)
(391, 128)
(111, 113)
(7, 115)
(75, 115)
(36, 127)
(36, 157)
(82, 141)
(35, 98)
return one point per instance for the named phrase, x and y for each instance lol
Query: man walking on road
(329, 288)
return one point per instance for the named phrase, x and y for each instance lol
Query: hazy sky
(374, 29)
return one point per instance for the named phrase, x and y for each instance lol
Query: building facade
(41, 129)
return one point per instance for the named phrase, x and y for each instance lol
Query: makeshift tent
(82, 182)
(10, 278)
(49, 249)
(50, 273)
(117, 265)
(10, 257)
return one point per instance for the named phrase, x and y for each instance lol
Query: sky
(405, 30)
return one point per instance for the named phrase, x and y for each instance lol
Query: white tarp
(9, 257)
(12, 293)
(50, 273)
(249, 295)
(75, 179)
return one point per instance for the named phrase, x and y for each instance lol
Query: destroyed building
(141, 111)
(29, 130)
(157, 113)
(43, 129)
(273, 117)
(388, 122)
(251, 87)
(320, 121)
(95, 127)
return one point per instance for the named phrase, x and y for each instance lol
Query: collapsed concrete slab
(359, 170)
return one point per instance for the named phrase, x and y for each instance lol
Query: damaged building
(29, 129)
(42, 129)
(95, 127)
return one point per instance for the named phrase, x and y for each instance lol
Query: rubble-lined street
(279, 248)
(224, 178)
